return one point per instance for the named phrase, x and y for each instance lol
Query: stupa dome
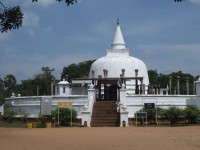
(63, 82)
(118, 58)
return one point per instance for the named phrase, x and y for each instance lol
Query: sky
(162, 33)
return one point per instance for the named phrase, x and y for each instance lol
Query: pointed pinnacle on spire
(117, 21)
(118, 41)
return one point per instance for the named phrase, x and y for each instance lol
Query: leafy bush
(192, 113)
(174, 114)
(24, 116)
(10, 114)
(151, 113)
(64, 115)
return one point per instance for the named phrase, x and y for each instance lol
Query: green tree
(10, 18)
(153, 77)
(44, 80)
(2, 92)
(26, 88)
(192, 113)
(10, 84)
(157, 79)
(29, 87)
(77, 70)
(64, 115)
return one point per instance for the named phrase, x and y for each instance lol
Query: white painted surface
(118, 58)
(63, 88)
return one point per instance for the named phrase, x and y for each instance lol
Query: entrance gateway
(106, 107)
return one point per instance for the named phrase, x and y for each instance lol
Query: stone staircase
(105, 114)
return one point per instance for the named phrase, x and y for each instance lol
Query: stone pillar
(123, 107)
(141, 87)
(155, 88)
(99, 86)
(194, 88)
(38, 88)
(178, 85)
(122, 94)
(93, 74)
(187, 86)
(105, 73)
(123, 72)
(144, 90)
(170, 84)
(152, 90)
(158, 89)
(149, 89)
(66, 77)
(167, 92)
(123, 75)
(86, 114)
(174, 90)
(136, 82)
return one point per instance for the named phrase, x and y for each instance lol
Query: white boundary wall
(136, 102)
(31, 104)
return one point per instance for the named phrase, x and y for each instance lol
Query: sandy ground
(130, 138)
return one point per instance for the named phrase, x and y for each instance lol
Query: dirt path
(130, 138)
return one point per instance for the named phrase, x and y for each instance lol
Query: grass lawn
(14, 124)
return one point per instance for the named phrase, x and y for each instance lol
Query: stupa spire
(118, 41)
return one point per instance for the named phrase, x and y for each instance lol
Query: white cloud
(47, 29)
(46, 3)
(169, 58)
(177, 49)
(5, 35)
(19, 69)
(31, 32)
(195, 1)
(31, 19)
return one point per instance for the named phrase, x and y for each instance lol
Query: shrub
(64, 115)
(174, 114)
(10, 114)
(192, 113)
(24, 116)
(151, 113)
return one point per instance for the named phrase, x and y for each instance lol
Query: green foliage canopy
(10, 18)
(77, 70)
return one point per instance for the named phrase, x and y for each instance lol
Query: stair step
(105, 114)
(103, 125)
(105, 120)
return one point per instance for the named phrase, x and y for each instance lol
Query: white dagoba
(118, 58)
